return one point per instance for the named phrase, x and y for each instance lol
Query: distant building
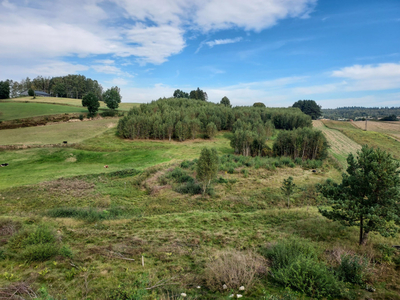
(37, 93)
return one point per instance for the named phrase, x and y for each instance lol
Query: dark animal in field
(314, 171)
(106, 166)
(65, 142)
(3, 165)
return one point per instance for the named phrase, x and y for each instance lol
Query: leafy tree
(92, 103)
(309, 107)
(258, 104)
(211, 130)
(180, 94)
(31, 92)
(207, 167)
(288, 188)
(198, 95)
(368, 196)
(225, 101)
(4, 89)
(112, 97)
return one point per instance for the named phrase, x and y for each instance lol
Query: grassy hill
(72, 229)
(69, 101)
(15, 110)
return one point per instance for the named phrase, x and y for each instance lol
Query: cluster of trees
(195, 94)
(309, 107)
(4, 90)
(356, 112)
(181, 119)
(304, 143)
(71, 86)
(111, 97)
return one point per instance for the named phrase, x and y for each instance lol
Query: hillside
(71, 228)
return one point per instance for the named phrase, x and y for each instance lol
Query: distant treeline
(358, 112)
(70, 86)
(181, 119)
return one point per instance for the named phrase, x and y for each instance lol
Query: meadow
(72, 229)
(15, 110)
(124, 106)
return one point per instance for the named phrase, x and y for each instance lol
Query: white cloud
(370, 77)
(223, 42)
(118, 81)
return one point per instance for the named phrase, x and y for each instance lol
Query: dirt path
(340, 145)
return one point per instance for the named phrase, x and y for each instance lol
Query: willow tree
(368, 196)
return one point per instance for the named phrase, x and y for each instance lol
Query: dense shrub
(190, 187)
(109, 113)
(180, 176)
(352, 269)
(39, 252)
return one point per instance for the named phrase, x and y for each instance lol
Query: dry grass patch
(390, 128)
(233, 269)
(73, 187)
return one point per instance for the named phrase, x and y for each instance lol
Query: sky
(336, 52)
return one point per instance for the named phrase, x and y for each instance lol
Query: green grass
(73, 132)
(70, 101)
(31, 166)
(14, 110)
(370, 138)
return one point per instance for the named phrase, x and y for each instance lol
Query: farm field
(70, 101)
(370, 138)
(73, 132)
(340, 145)
(389, 128)
(15, 110)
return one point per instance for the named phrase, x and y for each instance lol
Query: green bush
(190, 187)
(231, 170)
(352, 269)
(39, 252)
(309, 276)
(2, 255)
(42, 235)
(109, 113)
(66, 252)
(180, 176)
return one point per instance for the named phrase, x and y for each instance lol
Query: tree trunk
(363, 233)
(288, 202)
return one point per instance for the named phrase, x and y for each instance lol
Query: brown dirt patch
(74, 187)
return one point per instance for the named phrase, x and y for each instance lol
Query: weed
(352, 269)
(234, 269)
(39, 252)
(66, 252)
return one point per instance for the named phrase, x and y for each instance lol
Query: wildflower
(241, 288)
(230, 296)
(183, 295)
(198, 286)
(224, 287)
(239, 296)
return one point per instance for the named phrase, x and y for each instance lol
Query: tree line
(359, 112)
(69, 86)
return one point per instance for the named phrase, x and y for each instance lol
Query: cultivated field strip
(389, 128)
(340, 145)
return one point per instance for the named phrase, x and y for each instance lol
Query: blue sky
(336, 52)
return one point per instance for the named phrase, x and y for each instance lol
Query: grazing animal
(106, 166)
(314, 171)
(3, 165)
(65, 142)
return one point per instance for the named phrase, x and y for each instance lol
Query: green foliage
(198, 95)
(31, 92)
(2, 254)
(295, 264)
(207, 167)
(389, 118)
(39, 252)
(87, 214)
(91, 101)
(135, 290)
(112, 97)
(368, 195)
(356, 112)
(190, 187)
(305, 143)
(179, 176)
(211, 130)
(42, 235)
(288, 188)
(4, 90)
(352, 269)
(258, 104)
(309, 107)
(225, 101)
(109, 113)
(66, 251)
(180, 94)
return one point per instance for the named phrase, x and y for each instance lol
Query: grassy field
(15, 110)
(130, 231)
(340, 145)
(69, 101)
(370, 138)
(74, 132)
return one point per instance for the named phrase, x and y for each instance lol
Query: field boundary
(21, 147)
